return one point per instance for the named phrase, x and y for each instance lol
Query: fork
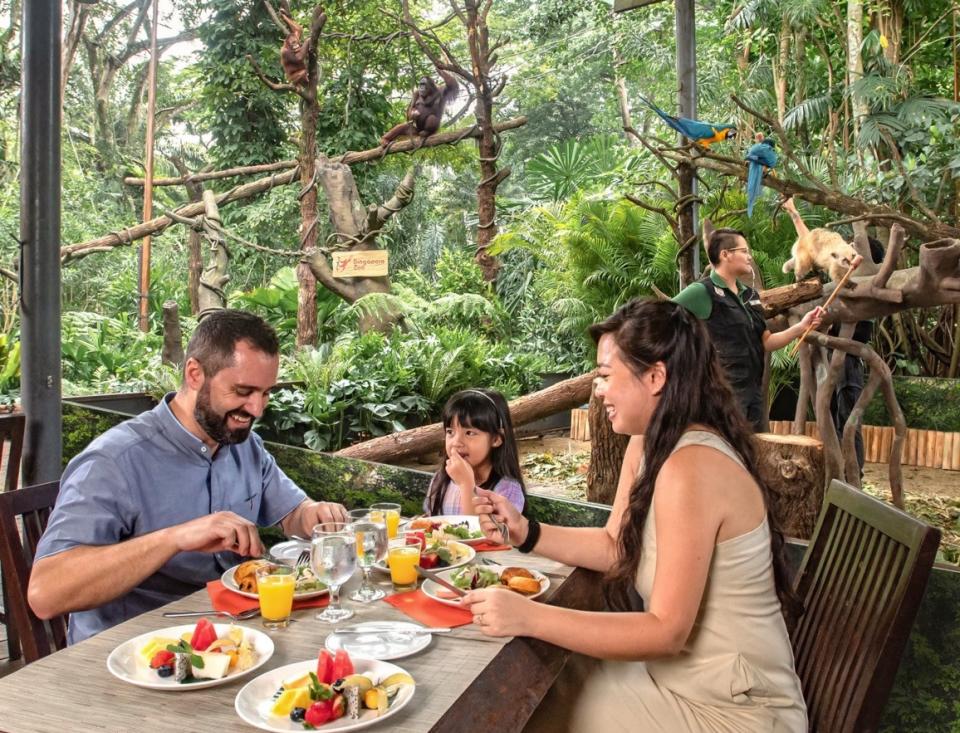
(303, 559)
(242, 616)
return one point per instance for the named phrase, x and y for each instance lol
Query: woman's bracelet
(533, 536)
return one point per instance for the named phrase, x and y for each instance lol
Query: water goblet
(333, 557)
(371, 548)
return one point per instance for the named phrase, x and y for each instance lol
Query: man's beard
(214, 423)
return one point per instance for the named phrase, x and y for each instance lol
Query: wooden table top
(72, 689)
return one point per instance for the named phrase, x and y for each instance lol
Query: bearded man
(161, 504)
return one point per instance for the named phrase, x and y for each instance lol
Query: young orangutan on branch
(426, 108)
(293, 55)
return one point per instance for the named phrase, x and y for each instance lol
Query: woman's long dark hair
(696, 392)
(485, 410)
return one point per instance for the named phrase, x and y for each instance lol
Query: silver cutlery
(243, 616)
(395, 630)
(440, 581)
(303, 559)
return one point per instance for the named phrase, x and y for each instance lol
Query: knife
(440, 581)
(395, 630)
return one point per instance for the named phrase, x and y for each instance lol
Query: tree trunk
(172, 352)
(780, 69)
(216, 274)
(398, 447)
(606, 455)
(792, 468)
(855, 61)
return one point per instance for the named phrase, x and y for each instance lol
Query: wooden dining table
(464, 680)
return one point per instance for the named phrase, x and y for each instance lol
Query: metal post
(40, 240)
(686, 33)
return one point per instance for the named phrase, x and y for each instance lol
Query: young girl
(481, 451)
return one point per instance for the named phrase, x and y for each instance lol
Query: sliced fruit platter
(527, 582)
(335, 692)
(190, 657)
(436, 552)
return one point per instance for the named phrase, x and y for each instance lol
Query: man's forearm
(87, 577)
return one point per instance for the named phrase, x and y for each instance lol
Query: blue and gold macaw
(702, 133)
(760, 156)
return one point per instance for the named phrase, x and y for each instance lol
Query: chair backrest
(32, 505)
(861, 582)
(11, 447)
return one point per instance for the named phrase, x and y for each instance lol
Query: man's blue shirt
(149, 473)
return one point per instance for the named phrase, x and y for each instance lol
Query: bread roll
(527, 586)
(513, 572)
(245, 576)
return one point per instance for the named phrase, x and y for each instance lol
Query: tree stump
(172, 352)
(792, 467)
(606, 455)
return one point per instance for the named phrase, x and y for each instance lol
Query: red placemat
(427, 611)
(224, 599)
(489, 546)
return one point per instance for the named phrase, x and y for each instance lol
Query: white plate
(437, 591)
(254, 701)
(288, 552)
(472, 522)
(392, 644)
(124, 663)
(464, 552)
(230, 584)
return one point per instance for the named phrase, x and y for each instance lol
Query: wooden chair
(861, 582)
(32, 504)
(11, 447)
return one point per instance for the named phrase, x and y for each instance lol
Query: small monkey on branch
(293, 54)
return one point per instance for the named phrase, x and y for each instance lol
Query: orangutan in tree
(426, 108)
(293, 55)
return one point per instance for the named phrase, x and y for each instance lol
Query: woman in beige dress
(689, 531)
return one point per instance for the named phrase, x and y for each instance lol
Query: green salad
(472, 577)
(462, 531)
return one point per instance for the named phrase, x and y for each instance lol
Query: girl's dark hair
(485, 410)
(719, 240)
(696, 392)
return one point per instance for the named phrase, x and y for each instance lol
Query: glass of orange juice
(275, 587)
(403, 560)
(390, 514)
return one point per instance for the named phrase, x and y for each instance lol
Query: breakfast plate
(462, 554)
(464, 524)
(440, 594)
(126, 663)
(386, 640)
(230, 583)
(255, 699)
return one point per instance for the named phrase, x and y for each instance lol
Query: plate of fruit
(436, 553)
(526, 582)
(190, 657)
(334, 692)
(463, 528)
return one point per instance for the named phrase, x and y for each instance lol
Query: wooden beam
(620, 6)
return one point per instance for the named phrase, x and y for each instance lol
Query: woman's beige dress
(736, 671)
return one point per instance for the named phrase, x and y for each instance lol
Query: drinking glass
(371, 548)
(389, 514)
(404, 556)
(333, 557)
(275, 587)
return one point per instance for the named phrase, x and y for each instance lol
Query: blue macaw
(760, 155)
(702, 133)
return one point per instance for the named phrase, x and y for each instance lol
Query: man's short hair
(721, 239)
(216, 337)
